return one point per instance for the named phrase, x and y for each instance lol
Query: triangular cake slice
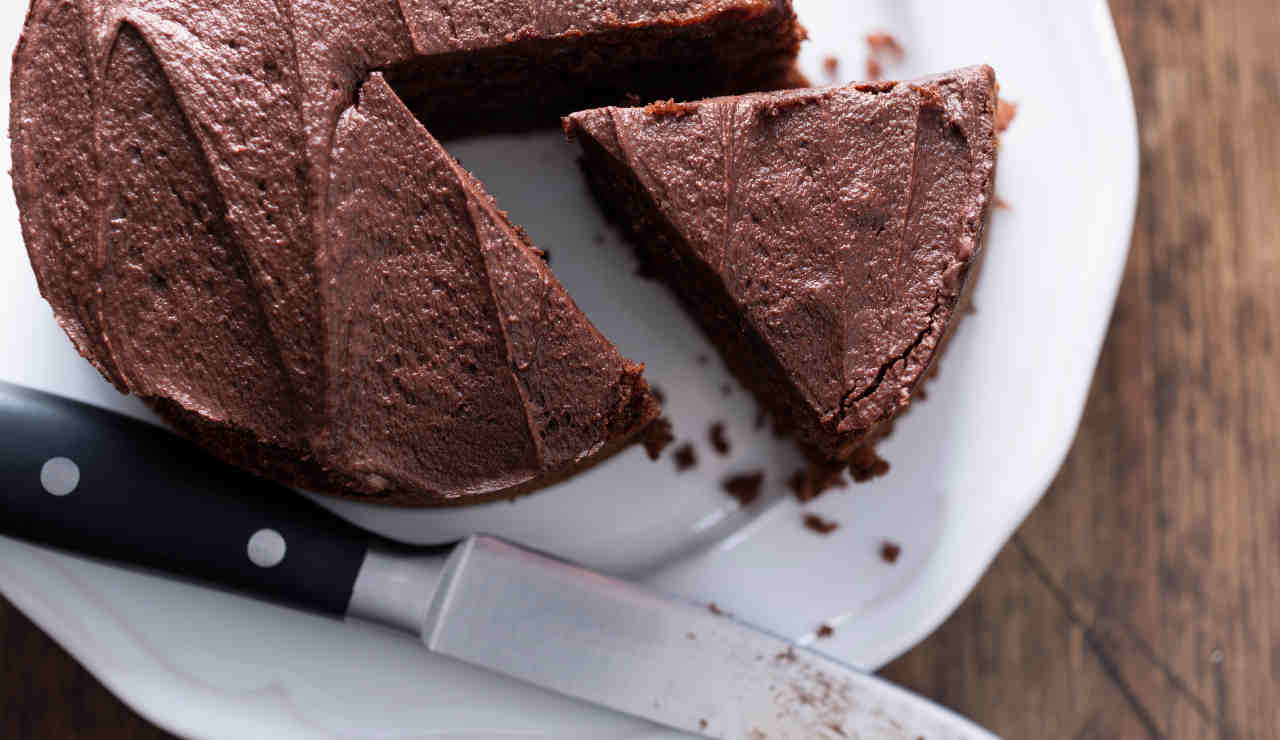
(456, 362)
(824, 238)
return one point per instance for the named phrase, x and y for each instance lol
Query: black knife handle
(149, 498)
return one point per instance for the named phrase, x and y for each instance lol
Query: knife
(77, 477)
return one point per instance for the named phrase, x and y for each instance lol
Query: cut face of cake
(823, 238)
(235, 215)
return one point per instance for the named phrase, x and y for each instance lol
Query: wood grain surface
(1142, 598)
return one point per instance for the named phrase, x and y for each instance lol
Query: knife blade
(80, 478)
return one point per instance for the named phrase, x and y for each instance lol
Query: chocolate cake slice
(234, 216)
(824, 238)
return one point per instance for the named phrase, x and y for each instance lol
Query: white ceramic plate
(968, 464)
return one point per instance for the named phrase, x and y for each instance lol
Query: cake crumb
(1006, 111)
(811, 482)
(879, 46)
(831, 66)
(714, 609)
(865, 464)
(744, 487)
(788, 655)
(1000, 203)
(658, 436)
(889, 551)
(686, 458)
(820, 525)
(881, 42)
(702, 724)
(719, 442)
(668, 107)
(825, 631)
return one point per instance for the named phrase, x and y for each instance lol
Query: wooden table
(1142, 598)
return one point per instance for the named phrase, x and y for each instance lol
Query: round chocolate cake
(236, 213)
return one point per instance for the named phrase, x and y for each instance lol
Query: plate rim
(1114, 73)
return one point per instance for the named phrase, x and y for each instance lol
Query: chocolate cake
(824, 238)
(235, 216)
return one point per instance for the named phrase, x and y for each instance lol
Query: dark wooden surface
(1142, 598)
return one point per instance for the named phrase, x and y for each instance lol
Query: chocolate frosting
(840, 224)
(234, 216)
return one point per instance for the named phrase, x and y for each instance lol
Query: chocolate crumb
(659, 394)
(865, 464)
(657, 437)
(714, 609)
(889, 552)
(881, 42)
(879, 46)
(691, 636)
(1005, 113)
(837, 729)
(685, 457)
(744, 487)
(812, 482)
(830, 66)
(719, 442)
(668, 107)
(1000, 203)
(820, 525)
(702, 724)
(825, 631)
(788, 655)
